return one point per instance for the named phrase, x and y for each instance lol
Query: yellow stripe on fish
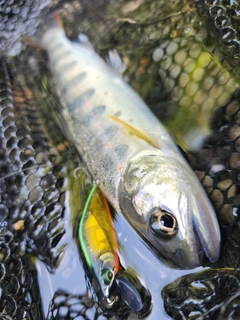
(134, 131)
(143, 175)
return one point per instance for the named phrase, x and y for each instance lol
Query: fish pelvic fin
(135, 132)
(115, 61)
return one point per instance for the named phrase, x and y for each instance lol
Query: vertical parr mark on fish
(79, 101)
(111, 131)
(74, 81)
(121, 151)
(62, 69)
(117, 114)
(55, 47)
(108, 162)
(99, 144)
(95, 112)
(62, 55)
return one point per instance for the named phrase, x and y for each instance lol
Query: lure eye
(163, 223)
(107, 276)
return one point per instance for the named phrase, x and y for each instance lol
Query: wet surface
(165, 48)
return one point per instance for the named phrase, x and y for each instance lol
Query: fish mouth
(198, 247)
(206, 243)
(190, 256)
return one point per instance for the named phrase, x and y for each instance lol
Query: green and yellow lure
(98, 241)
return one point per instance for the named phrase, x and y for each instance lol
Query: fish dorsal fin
(133, 131)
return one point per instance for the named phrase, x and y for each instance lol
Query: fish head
(167, 206)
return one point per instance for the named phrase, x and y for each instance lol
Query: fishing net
(18, 17)
(217, 165)
(173, 56)
(31, 196)
(213, 294)
(68, 306)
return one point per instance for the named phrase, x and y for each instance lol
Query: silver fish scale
(105, 153)
(141, 34)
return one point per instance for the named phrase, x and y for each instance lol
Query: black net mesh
(31, 197)
(213, 294)
(18, 17)
(217, 165)
(222, 38)
(20, 298)
(31, 201)
(68, 306)
(165, 49)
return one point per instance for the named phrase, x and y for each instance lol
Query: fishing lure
(98, 242)
(139, 168)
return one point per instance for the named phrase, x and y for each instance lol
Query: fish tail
(52, 27)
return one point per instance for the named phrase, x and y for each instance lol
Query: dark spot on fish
(99, 144)
(86, 120)
(61, 70)
(97, 111)
(68, 66)
(81, 100)
(105, 93)
(121, 151)
(55, 67)
(111, 131)
(131, 120)
(56, 47)
(74, 81)
(75, 118)
(117, 114)
(108, 163)
(62, 55)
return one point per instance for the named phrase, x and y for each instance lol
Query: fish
(147, 180)
(98, 242)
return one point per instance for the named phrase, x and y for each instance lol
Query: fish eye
(107, 276)
(163, 223)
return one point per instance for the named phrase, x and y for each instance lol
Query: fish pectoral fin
(115, 61)
(133, 131)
